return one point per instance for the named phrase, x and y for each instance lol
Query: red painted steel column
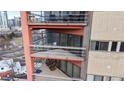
(26, 34)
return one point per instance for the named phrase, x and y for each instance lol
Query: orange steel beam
(79, 32)
(60, 28)
(26, 34)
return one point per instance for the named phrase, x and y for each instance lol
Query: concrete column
(110, 45)
(86, 44)
(118, 46)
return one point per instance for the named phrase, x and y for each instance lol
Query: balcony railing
(58, 18)
(54, 78)
(71, 51)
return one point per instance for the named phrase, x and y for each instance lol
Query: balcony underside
(76, 29)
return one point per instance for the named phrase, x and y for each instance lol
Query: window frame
(98, 45)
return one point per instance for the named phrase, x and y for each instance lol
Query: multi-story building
(11, 22)
(17, 21)
(3, 19)
(15, 24)
(106, 54)
(82, 45)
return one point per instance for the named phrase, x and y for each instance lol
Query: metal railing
(55, 78)
(78, 51)
(58, 18)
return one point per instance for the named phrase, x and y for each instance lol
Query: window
(103, 46)
(52, 37)
(98, 78)
(122, 47)
(98, 45)
(116, 79)
(69, 69)
(63, 39)
(107, 78)
(114, 46)
(74, 40)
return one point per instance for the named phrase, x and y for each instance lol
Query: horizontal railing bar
(54, 77)
(58, 47)
(56, 14)
(67, 17)
(64, 22)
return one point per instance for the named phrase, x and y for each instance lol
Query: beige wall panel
(106, 63)
(108, 26)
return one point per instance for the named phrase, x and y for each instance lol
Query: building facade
(106, 54)
(17, 21)
(3, 19)
(98, 34)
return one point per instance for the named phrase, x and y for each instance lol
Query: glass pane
(98, 78)
(63, 40)
(122, 47)
(103, 46)
(69, 69)
(63, 66)
(114, 46)
(74, 40)
(70, 41)
(77, 41)
(52, 38)
(97, 45)
(76, 71)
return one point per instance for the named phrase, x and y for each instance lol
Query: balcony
(77, 18)
(58, 53)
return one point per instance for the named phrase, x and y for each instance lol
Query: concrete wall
(106, 63)
(108, 26)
